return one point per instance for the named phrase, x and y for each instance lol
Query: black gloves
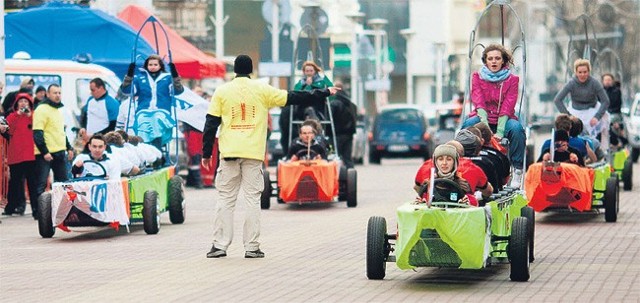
(131, 69)
(174, 72)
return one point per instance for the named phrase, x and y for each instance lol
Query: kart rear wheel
(519, 250)
(45, 221)
(342, 183)
(374, 158)
(265, 197)
(150, 215)
(627, 175)
(352, 187)
(611, 198)
(528, 213)
(177, 209)
(377, 248)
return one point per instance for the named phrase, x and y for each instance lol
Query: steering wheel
(93, 163)
(444, 190)
(302, 154)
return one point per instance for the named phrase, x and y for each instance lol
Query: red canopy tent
(191, 62)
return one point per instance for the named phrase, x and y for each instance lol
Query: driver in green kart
(95, 151)
(445, 157)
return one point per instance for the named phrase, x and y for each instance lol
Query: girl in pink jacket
(494, 94)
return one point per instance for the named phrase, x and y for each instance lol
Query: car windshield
(400, 115)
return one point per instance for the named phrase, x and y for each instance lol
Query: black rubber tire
(150, 215)
(342, 183)
(519, 250)
(627, 175)
(635, 153)
(352, 188)
(265, 196)
(45, 221)
(177, 210)
(528, 213)
(611, 198)
(377, 248)
(374, 157)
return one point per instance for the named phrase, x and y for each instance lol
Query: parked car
(633, 128)
(274, 147)
(399, 130)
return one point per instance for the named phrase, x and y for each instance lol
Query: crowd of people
(38, 143)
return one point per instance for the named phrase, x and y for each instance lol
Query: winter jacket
(487, 95)
(152, 93)
(21, 144)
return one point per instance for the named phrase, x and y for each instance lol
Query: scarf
(487, 75)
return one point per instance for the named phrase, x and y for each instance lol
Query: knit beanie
(243, 65)
(469, 141)
(446, 150)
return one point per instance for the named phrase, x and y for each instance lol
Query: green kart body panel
(138, 185)
(454, 237)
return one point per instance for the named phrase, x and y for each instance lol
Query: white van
(73, 78)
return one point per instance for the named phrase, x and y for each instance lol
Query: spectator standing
(26, 86)
(21, 159)
(51, 142)
(612, 87)
(240, 108)
(40, 94)
(345, 115)
(100, 113)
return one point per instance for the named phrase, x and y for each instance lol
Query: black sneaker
(216, 252)
(254, 254)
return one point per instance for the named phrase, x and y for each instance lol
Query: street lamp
(357, 18)
(378, 24)
(407, 33)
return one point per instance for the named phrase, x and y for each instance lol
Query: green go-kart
(623, 167)
(444, 233)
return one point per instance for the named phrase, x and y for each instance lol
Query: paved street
(314, 253)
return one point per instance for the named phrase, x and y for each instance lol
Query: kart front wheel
(611, 198)
(45, 221)
(150, 215)
(528, 213)
(265, 196)
(377, 248)
(352, 187)
(519, 250)
(627, 175)
(176, 200)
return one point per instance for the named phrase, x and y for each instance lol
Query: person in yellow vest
(240, 108)
(52, 147)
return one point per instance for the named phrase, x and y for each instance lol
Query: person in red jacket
(21, 158)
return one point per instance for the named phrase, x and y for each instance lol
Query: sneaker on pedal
(516, 178)
(254, 254)
(216, 252)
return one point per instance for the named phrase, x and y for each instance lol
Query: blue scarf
(487, 75)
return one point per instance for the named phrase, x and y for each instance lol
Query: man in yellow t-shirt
(51, 142)
(240, 108)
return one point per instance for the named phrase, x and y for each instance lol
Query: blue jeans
(513, 131)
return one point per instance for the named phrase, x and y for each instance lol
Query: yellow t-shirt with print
(50, 121)
(243, 104)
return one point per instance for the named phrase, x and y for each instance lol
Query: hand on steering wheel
(445, 190)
